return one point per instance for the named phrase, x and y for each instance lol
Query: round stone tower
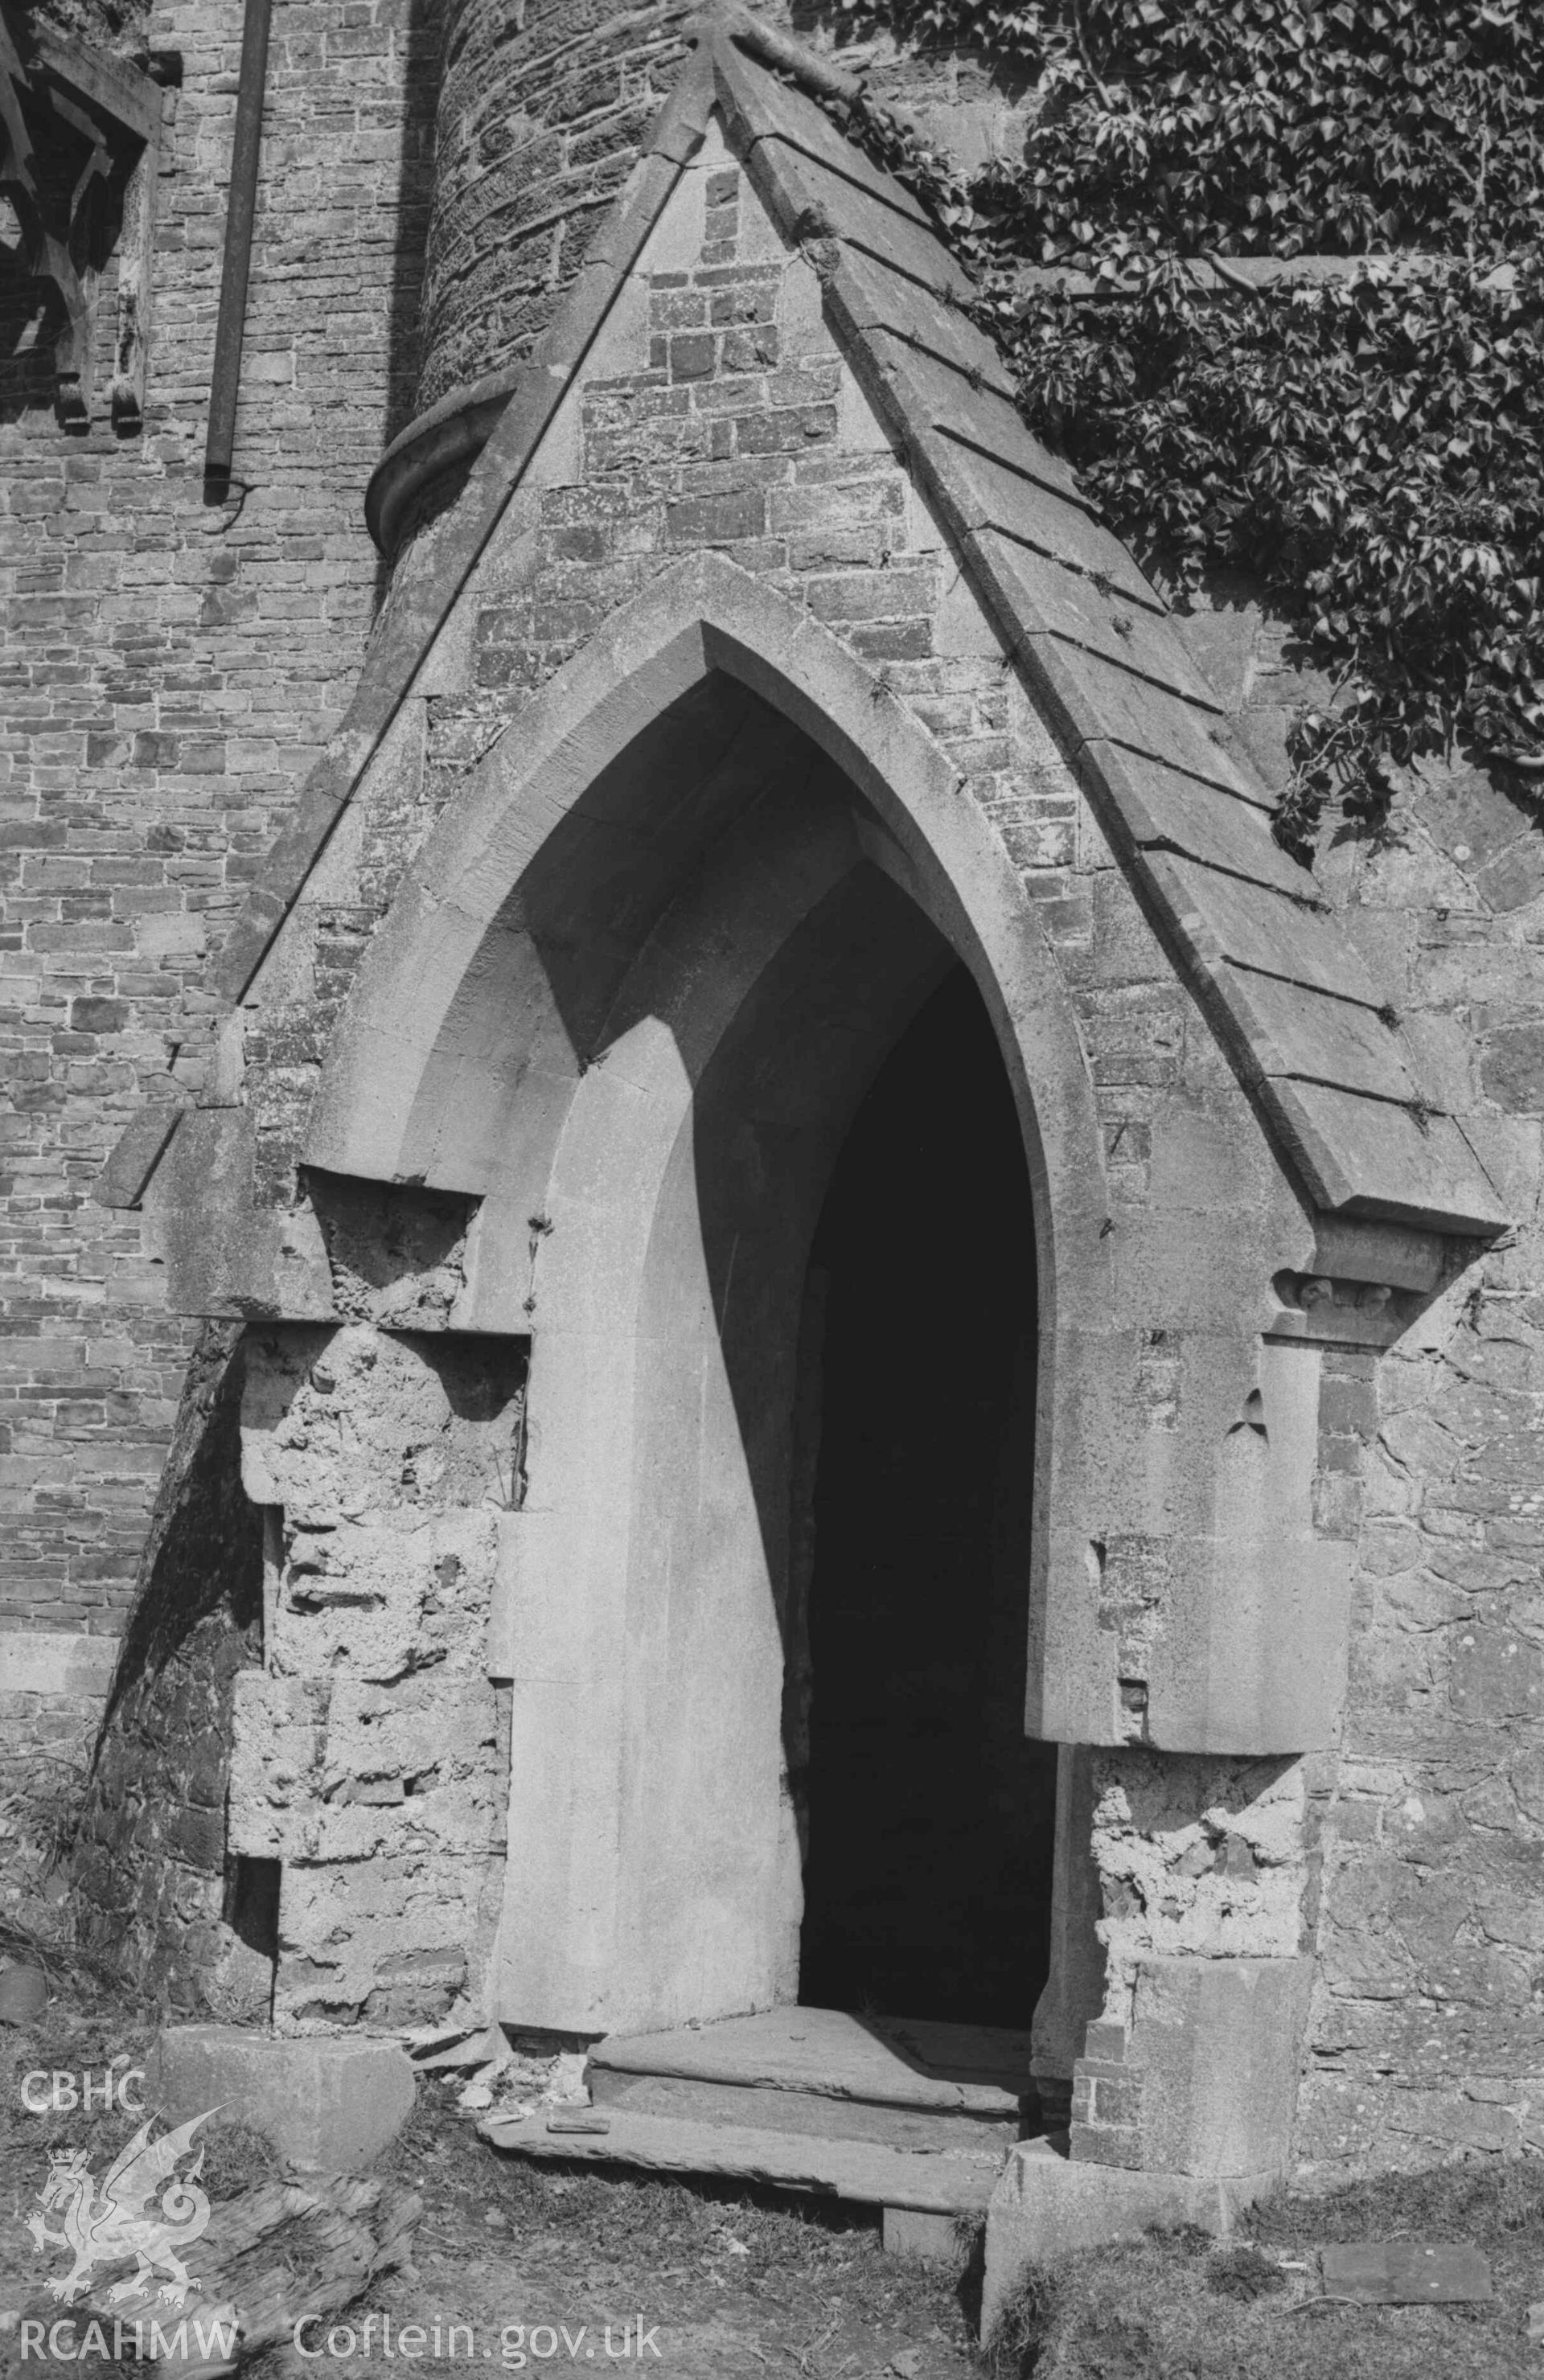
(544, 106)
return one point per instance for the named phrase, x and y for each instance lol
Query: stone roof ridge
(1308, 1026)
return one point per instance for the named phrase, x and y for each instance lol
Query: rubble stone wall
(1427, 2033)
(1428, 2024)
(170, 670)
(372, 1748)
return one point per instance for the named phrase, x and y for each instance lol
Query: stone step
(825, 2072)
(823, 2115)
(934, 2181)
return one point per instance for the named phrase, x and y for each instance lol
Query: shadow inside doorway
(929, 1815)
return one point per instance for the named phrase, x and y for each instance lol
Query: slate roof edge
(407, 629)
(1327, 1180)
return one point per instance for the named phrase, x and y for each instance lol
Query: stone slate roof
(1303, 1019)
(1301, 1015)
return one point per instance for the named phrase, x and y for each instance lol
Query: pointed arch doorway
(632, 999)
(732, 944)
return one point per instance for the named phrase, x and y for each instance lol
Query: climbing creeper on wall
(1369, 450)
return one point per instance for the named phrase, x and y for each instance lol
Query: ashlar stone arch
(628, 998)
(430, 1010)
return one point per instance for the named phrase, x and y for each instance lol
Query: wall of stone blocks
(715, 415)
(1426, 2031)
(543, 109)
(168, 669)
(736, 429)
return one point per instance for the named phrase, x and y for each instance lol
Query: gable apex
(1307, 1027)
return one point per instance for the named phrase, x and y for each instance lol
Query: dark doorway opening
(930, 1815)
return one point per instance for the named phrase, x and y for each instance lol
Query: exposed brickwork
(168, 672)
(1202, 1860)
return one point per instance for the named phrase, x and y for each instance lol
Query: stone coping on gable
(1306, 1026)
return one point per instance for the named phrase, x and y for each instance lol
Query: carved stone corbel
(1367, 1284)
(80, 143)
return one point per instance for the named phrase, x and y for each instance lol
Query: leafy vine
(1369, 448)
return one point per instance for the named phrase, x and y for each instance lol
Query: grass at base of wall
(1173, 2306)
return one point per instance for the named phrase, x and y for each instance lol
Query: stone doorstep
(826, 2075)
(776, 2107)
(911, 2063)
(1046, 2206)
(914, 2118)
(869, 2173)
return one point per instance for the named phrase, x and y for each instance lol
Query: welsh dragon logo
(104, 2226)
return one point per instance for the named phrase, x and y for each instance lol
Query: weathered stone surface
(1221, 1478)
(1202, 2079)
(1046, 2206)
(371, 1753)
(1405, 2272)
(1201, 1857)
(149, 1867)
(329, 2105)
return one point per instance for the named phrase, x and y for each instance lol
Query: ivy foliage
(1369, 447)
